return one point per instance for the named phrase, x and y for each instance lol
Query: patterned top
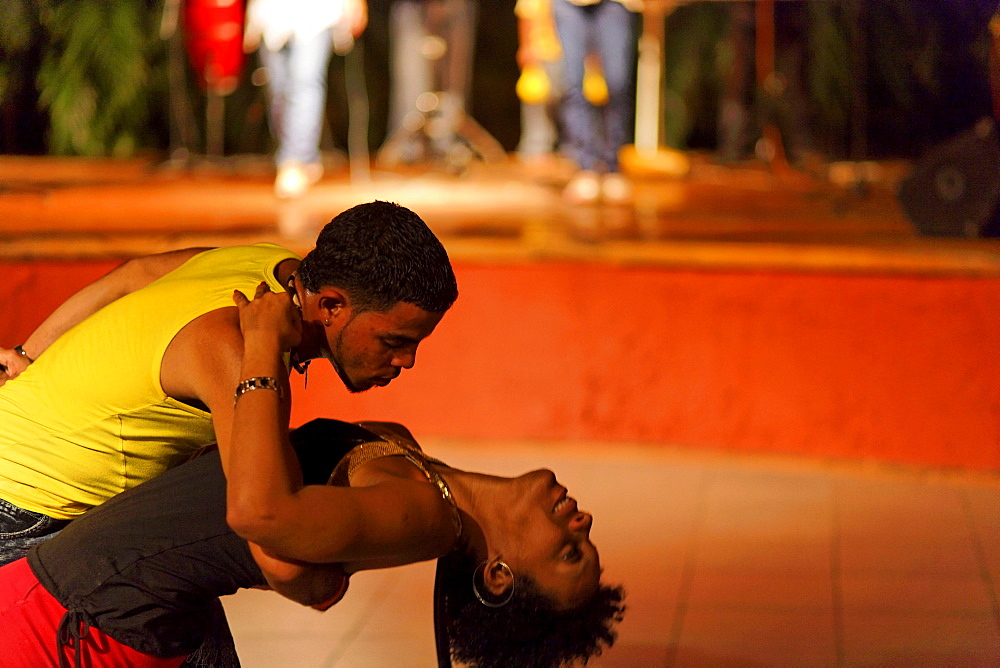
(396, 441)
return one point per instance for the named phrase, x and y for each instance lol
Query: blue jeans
(20, 529)
(594, 136)
(297, 75)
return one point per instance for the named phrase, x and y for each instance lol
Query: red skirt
(29, 625)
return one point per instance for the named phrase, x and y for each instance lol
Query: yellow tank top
(89, 418)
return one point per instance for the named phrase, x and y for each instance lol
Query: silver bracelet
(257, 383)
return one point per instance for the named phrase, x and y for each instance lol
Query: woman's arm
(398, 519)
(124, 279)
(315, 585)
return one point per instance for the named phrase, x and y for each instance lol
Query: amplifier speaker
(954, 189)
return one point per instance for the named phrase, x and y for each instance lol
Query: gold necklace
(437, 479)
(389, 445)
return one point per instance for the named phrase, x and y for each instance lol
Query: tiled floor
(728, 561)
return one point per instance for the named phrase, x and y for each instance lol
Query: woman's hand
(271, 315)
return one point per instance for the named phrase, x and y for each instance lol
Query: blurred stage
(735, 309)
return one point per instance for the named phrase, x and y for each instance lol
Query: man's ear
(332, 303)
(497, 577)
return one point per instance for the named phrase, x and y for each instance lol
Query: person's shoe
(314, 172)
(616, 190)
(292, 180)
(583, 188)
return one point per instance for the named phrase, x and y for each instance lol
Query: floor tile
(749, 554)
(770, 507)
(756, 638)
(627, 654)
(914, 594)
(921, 640)
(773, 591)
(384, 653)
(989, 540)
(914, 556)
(893, 508)
(650, 612)
(984, 505)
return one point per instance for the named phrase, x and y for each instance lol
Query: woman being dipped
(518, 584)
(518, 542)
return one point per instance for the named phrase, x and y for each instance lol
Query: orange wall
(891, 368)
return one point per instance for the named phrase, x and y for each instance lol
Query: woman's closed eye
(574, 553)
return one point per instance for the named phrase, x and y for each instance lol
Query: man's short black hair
(381, 254)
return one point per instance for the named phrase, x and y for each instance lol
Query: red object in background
(214, 37)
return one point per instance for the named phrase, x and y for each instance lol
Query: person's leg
(734, 114)
(32, 623)
(579, 123)
(458, 29)
(553, 108)
(574, 25)
(276, 64)
(305, 99)
(614, 29)
(538, 133)
(411, 72)
(791, 63)
(29, 617)
(297, 110)
(20, 529)
(616, 45)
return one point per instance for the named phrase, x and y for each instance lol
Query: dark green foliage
(883, 77)
(92, 77)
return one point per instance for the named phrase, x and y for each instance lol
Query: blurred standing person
(594, 136)
(296, 38)
(431, 48)
(539, 87)
(746, 108)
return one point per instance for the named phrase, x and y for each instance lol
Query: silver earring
(486, 598)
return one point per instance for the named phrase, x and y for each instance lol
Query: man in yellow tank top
(135, 373)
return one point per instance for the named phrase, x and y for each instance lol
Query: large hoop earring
(483, 596)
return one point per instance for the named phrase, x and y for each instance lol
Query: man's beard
(344, 378)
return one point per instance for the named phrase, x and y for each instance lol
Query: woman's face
(545, 537)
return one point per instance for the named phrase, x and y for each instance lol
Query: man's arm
(394, 521)
(201, 367)
(124, 279)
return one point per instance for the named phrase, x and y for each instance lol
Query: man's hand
(270, 313)
(13, 364)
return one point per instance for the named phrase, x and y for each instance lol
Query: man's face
(375, 346)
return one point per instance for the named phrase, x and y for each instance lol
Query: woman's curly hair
(527, 631)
